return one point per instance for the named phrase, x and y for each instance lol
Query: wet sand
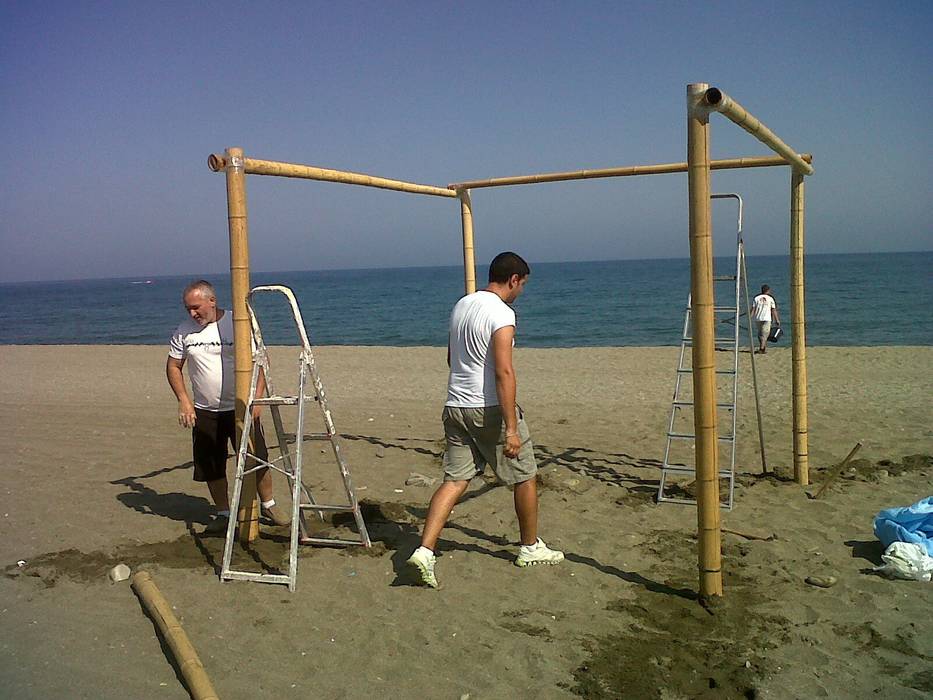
(98, 473)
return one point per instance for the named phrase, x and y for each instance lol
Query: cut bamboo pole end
(216, 162)
(183, 652)
(718, 101)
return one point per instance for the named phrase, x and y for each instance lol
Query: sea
(851, 300)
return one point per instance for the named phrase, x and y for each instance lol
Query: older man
(204, 341)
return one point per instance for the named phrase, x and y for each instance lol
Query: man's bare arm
(506, 387)
(176, 380)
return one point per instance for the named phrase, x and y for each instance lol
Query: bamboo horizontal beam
(661, 169)
(253, 166)
(718, 101)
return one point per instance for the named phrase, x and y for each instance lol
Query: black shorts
(212, 431)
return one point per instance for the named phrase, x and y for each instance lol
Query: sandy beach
(98, 472)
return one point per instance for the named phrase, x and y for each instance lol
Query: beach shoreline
(98, 471)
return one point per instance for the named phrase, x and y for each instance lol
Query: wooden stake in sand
(831, 477)
(709, 538)
(158, 608)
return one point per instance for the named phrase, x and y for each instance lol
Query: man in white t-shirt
(482, 423)
(764, 311)
(204, 341)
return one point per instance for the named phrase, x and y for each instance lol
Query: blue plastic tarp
(909, 524)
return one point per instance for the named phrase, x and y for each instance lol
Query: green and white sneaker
(537, 553)
(423, 560)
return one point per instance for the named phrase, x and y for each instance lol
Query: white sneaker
(423, 560)
(537, 553)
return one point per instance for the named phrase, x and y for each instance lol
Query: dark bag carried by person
(775, 334)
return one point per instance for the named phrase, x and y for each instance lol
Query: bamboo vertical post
(469, 259)
(798, 330)
(703, 355)
(248, 515)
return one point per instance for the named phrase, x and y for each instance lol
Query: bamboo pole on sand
(798, 331)
(632, 170)
(253, 166)
(248, 514)
(709, 537)
(718, 101)
(469, 260)
(158, 608)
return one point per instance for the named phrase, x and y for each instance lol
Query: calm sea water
(872, 299)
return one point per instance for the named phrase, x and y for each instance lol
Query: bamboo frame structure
(159, 609)
(701, 102)
(709, 537)
(798, 332)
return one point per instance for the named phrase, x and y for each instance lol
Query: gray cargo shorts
(764, 330)
(475, 438)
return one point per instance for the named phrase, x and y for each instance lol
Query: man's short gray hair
(205, 288)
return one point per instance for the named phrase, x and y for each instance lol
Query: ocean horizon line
(145, 279)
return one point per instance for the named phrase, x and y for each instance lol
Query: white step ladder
(681, 406)
(289, 462)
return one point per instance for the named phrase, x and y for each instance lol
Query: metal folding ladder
(680, 406)
(289, 462)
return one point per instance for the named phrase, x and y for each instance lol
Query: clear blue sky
(108, 111)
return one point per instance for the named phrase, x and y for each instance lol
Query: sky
(109, 110)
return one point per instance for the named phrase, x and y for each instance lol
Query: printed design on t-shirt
(210, 343)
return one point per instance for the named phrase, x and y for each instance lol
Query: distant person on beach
(204, 341)
(764, 309)
(482, 423)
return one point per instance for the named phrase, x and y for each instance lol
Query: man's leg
(522, 471)
(442, 502)
(762, 336)
(257, 446)
(525, 496)
(218, 489)
(209, 454)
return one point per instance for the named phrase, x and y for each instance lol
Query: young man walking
(482, 423)
(764, 309)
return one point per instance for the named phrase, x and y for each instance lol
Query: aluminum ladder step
(691, 436)
(682, 404)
